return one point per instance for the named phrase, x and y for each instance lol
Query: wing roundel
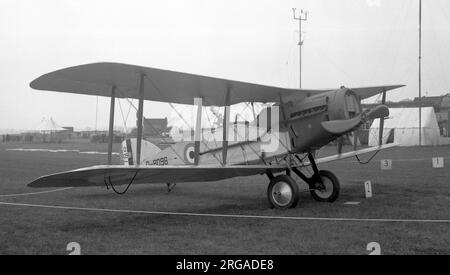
(189, 153)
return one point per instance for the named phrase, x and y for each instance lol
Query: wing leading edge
(121, 175)
(159, 85)
(352, 154)
(367, 92)
(169, 86)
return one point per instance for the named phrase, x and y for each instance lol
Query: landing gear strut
(283, 191)
(324, 186)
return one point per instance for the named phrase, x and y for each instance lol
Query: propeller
(342, 128)
(380, 112)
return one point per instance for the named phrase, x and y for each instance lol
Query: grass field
(412, 190)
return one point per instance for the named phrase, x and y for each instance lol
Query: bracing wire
(129, 110)
(210, 123)
(131, 105)
(180, 116)
(123, 117)
(254, 151)
(163, 138)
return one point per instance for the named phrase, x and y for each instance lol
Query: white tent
(403, 125)
(48, 125)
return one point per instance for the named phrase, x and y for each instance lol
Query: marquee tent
(48, 126)
(48, 130)
(403, 127)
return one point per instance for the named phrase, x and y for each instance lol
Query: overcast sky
(347, 42)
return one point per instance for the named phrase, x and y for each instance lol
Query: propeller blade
(340, 127)
(381, 112)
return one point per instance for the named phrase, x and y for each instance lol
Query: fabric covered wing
(170, 86)
(352, 154)
(372, 91)
(159, 85)
(120, 175)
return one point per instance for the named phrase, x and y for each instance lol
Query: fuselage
(293, 126)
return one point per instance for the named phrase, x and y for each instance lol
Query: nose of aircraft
(340, 127)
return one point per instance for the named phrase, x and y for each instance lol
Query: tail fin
(148, 151)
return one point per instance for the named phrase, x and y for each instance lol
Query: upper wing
(159, 85)
(119, 175)
(169, 86)
(372, 91)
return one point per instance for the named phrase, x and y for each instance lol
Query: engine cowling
(306, 119)
(343, 104)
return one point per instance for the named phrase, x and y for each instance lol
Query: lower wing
(352, 154)
(120, 174)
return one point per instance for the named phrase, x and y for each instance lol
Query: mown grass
(412, 190)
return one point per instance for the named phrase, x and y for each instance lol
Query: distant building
(154, 127)
(69, 129)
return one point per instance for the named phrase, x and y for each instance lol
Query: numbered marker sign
(438, 163)
(386, 164)
(374, 248)
(368, 187)
(74, 248)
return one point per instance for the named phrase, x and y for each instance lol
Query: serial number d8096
(160, 162)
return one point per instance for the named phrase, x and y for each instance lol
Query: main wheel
(329, 191)
(283, 192)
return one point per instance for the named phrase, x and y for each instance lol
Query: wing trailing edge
(122, 175)
(170, 86)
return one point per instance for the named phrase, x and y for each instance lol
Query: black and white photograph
(224, 134)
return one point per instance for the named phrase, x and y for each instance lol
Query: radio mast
(420, 72)
(303, 17)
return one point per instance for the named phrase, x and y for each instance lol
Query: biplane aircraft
(299, 121)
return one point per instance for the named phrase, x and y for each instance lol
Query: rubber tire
(292, 184)
(336, 188)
